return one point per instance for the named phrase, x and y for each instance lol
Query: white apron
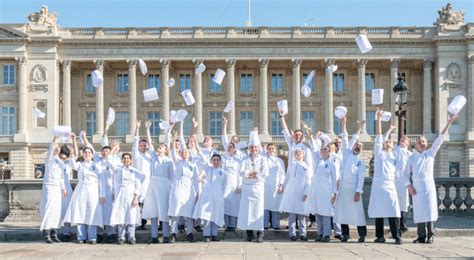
(322, 188)
(107, 166)
(401, 157)
(142, 162)
(157, 199)
(295, 187)
(210, 205)
(251, 208)
(183, 191)
(67, 184)
(275, 178)
(231, 166)
(126, 184)
(53, 186)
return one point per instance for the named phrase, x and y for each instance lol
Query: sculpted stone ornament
(453, 76)
(42, 21)
(449, 20)
(39, 73)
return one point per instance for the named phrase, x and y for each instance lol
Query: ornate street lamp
(401, 95)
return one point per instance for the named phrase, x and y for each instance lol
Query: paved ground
(442, 248)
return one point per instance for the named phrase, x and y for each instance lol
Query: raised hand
(195, 123)
(138, 124)
(224, 120)
(147, 124)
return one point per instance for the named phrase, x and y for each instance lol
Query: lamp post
(401, 95)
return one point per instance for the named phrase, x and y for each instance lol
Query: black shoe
(265, 228)
(403, 230)
(430, 240)
(293, 238)
(48, 240)
(420, 240)
(166, 240)
(326, 239)
(379, 240)
(121, 241)
(198, 228)
(80, 242)
(154, 240)
(111, 239)
(338, 236)
(344, 239)
(181, 228)
(92, 242)
(191, 238)
(214, 239)
(303, 238)
(132, 241)
(173, 238)
(398, 241)
(99, 239)
(227, 229)
(250, 237)
(143, 226)
(55, 239)
(362, 239)
(207, 239)
(66, 238)
(277, 229)
(260, 238)
(319, 238)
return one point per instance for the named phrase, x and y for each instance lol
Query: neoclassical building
(49, 67)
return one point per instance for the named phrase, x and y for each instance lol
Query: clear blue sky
(156, 13)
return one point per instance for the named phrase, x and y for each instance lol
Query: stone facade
(52, 66)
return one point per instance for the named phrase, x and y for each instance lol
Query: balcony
(6, 138)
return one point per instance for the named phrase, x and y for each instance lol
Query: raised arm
(174, 156)
(136, 140)
(148, 135)
(286, 132)
(379, 139)
(74, 153)
(224, 138)
(194, 128)
(167, 140)
(182, 142)
(378, 126)
(105, 138)
(53, 146)
(439, 141)
(389, 132)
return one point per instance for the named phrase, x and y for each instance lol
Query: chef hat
(62, 131)
(340, 112)
(188, 97)
(305, 90)
(254, 139)
(173, 116)
(201, 68)
(241, 145)
(181, 114)
(97, 78)
(385, 116)
(377, 96)
(325, 139)
(363, 43)
(164, 125)
(37, 113)
(150, 94)
(110, 116)
(457, 104)
(142, 66)
(283, 107)
(229, 107)
(332, 68)
(170, 83)
(309, 77)
(219, 76)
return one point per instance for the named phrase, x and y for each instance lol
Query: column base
(364, 137)
(430, 136)
(20, 138)
(97, 139)
(470, 135)
(265, 138)
(129, 138)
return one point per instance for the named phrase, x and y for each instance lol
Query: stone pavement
(444, 247)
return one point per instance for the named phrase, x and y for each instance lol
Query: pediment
(10, 33)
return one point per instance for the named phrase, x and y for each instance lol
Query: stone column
(132, 96)
(231, 92)
(296, 102)
(66, 92)
(198, 97)
(361, 102)
(99, 100)
(263, 100)
(165, 95)
(427, 109)
(328, 98)
(470, 99)
(22, 99)
(394, 63)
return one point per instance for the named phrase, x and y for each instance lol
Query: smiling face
(421, 144)
(253, 149)
(231, 148)
(142, 146)
(235, 139)
(271, 150)
(126, 159)
(358, 147)
(87, 154)
(405, 142)
(299, 155)
(162, 150)
(298, 135)
(185, 154)
(325, 152)
(216, 161)
(105, 152)
(207, 142)
(388, 145)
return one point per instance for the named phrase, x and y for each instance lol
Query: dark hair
(129, 155)
(216, 155)
(87, 148)
(270, 144)
(143, 140)
(65, 150)
(106, 147)
(298, 130)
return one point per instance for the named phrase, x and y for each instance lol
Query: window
(246, 122)
(90, 123)
(122, 124)
(338, 82)
(8, 119)
(309, 118)
(122, 83)
(275, 123)
(246, 83)
(277, 84)
(188, 124)
(89, 87)
(154, 82)
(337, 126)
(215, 123)
(8, 74)
(214, 87)
(370, 119)
(369, 82)
(311, 83)
(184, 82)
(154, 118)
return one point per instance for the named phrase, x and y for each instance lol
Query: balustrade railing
(455, 195)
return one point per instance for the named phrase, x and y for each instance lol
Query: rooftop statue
(43, 17)
(446, 16)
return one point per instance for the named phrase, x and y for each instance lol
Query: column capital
(197, 62)
(230, 63)
(66, 64)
(329, 62)
(99, 64)
(21, 60)
(470, 59)
(263, 63)
(394, 62)
(427, 64)
(165, 63)
(132, 63)
(361, 63)
(296, 62)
